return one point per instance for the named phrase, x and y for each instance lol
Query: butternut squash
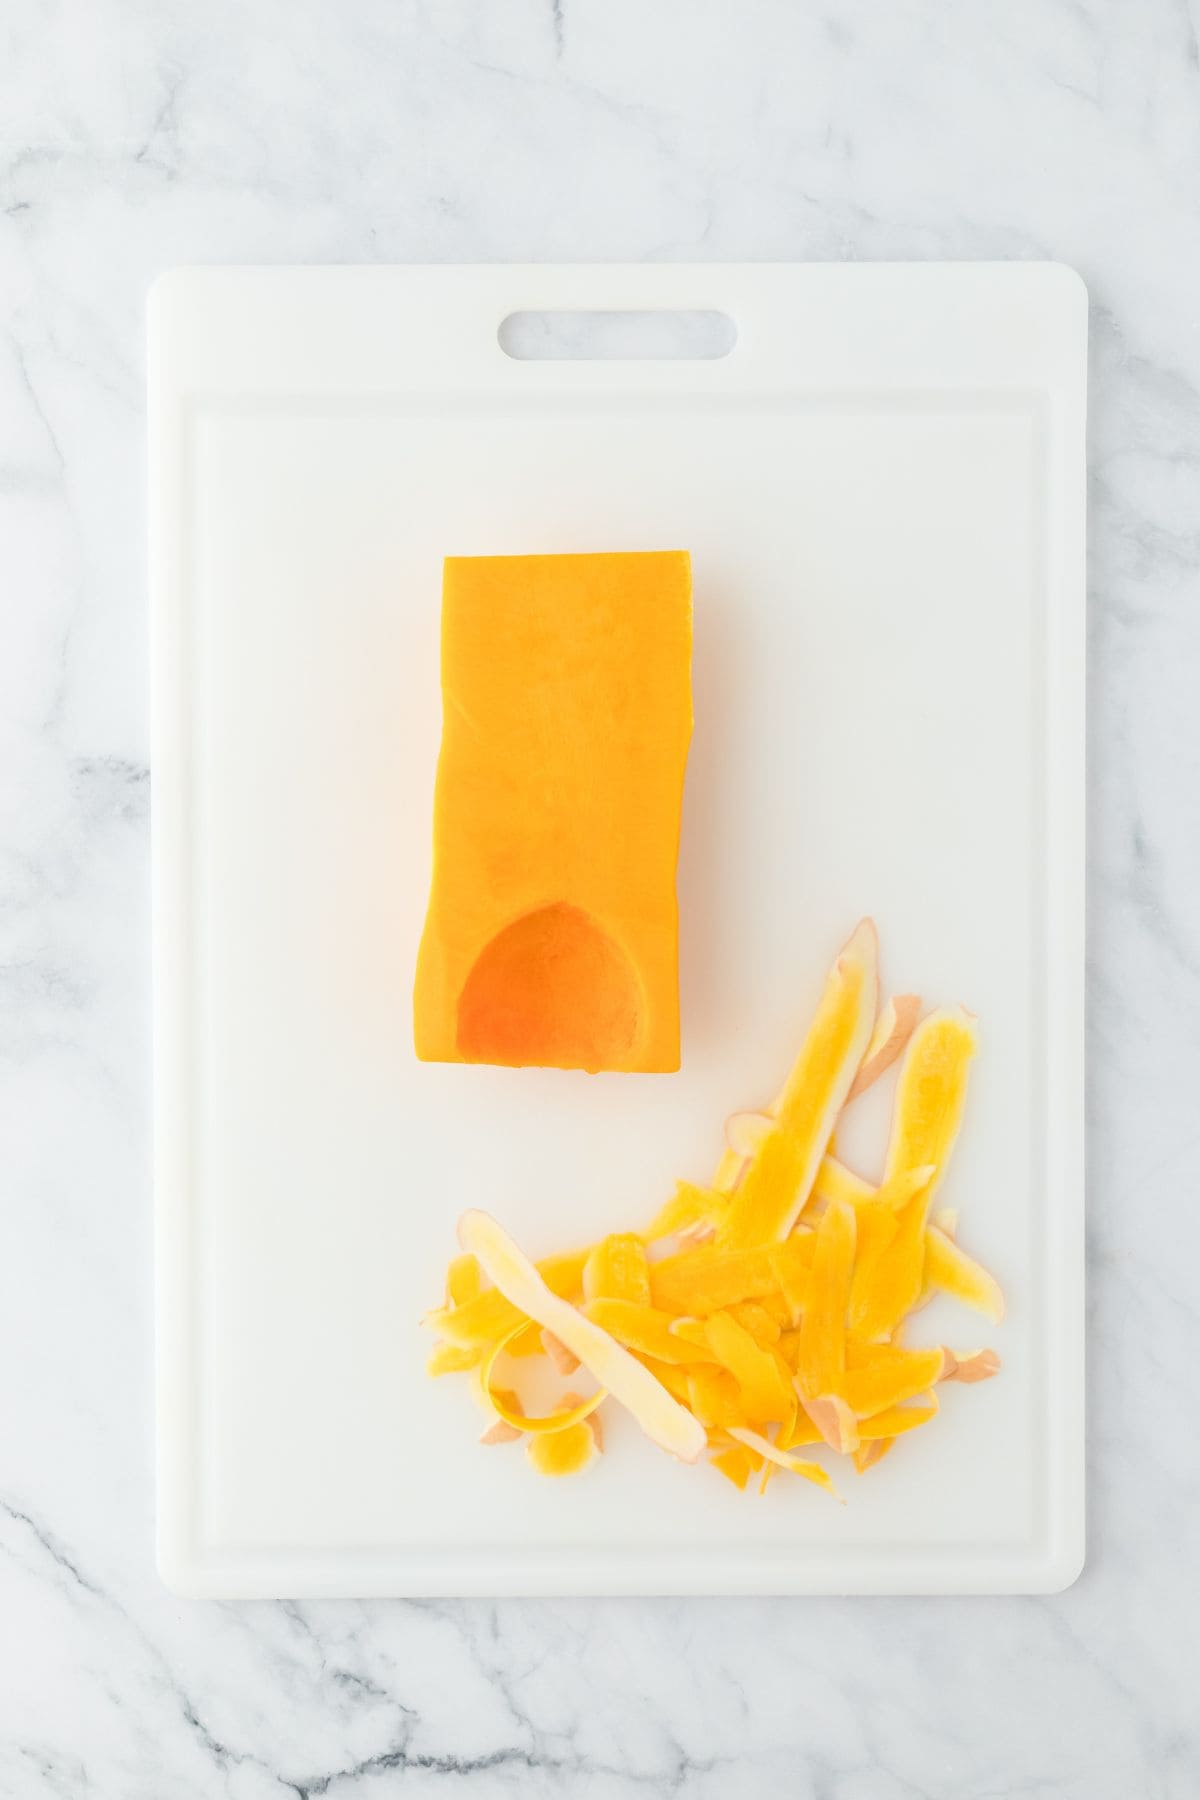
(552, 931)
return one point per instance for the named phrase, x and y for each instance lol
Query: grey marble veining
(138, 135)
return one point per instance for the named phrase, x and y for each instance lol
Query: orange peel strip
(559, 1355)
(617, 1269)
(835, 1422)
(754, 1317)
(502, 1403)
(689, 1209)
(895, 1025)
(709, 1278)
(713, 1397)
(949, 1270)
(499, 1432)
(980, 1365)
(735, 1465)
(871, 1452)
(626, 1379)
(883, 1384)
(493, 1315)
(452, 1359)
(567, 1452)
(464, 1281)
(931, 1094)
(672, 1376)
(930, 1097)
(896, 1420)
(762, 1382)
(798, 1432)
(648, 1332)
(822, 1348)
(783, 1459)
(836, 1182)
(778, 1178)
(745, 1131)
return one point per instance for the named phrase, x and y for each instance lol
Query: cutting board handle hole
(661, 336)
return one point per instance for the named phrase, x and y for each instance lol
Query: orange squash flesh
(552, 934)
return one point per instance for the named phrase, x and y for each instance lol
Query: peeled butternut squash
(552, 932)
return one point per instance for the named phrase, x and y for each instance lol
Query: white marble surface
(137, 135)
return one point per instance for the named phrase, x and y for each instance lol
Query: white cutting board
(882, 489)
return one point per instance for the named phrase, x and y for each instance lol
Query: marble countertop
(136, 135)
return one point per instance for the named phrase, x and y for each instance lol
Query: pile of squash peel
(768, 1312)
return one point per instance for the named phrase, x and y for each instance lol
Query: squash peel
(617, 1270)
(980, 1365)
(709, 1278)
(782, 1459)
(626, 1379)
(822, 1350)
(689, 1211)
(772, 1311)
(836, 1182)
(761, 1380)
(480, 1322)
(949, 1270)
(464, 1281)
(778, 1178)
(509, 1410)
(930, 1098)
(735, 1465)
(500, 1432)
(893, 1028)
(645, 1331)
(559, 1355)
(894, 1421)
(872, 1451)
(566, 1452)
(452, 1359)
